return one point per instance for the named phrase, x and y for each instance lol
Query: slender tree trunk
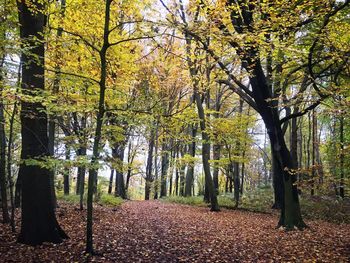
(177, 171)
(206, 153)
(164, 170)
(227, 181)
(110, 185)
(81, 179)
(98, 130)
(242, 175)
(300, 148)
(9, 159)
(131, 157)
(216, 157)
(236, 182)
(190, 166)
(308, 152)
(52, 123)
(172, 164)
(3, 183)
(149, 177)
(182, 175)
(342, 172)
(66, 185)
(156, 181)
(38, 221)
(318, 157)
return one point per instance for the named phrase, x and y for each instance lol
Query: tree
(38, 221)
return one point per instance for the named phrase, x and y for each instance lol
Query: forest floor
(155, 231)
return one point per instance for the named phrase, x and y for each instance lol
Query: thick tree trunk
(18, 191)
(290, 210)
(118, 152)
(38, 221)
(277, 182)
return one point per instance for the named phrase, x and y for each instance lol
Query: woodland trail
(156, 231)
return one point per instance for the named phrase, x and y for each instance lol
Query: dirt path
(155, 231)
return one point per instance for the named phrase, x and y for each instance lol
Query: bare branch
(87, 42)
(243, 95)
(74, 75)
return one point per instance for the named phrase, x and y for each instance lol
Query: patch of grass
(104, 199)
(261, 200)
(71, 198)
(192, 200)
(110, 200)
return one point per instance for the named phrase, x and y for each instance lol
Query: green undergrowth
(327, 209)
(104, 199)
(261, 200)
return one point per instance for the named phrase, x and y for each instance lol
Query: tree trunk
(290, 210)
(156, 181)
(177, 173)
(149, 177)
(110, 185)
(52, 123)
(3, 183)
(9, 158)
(66, 173)
(314, 142)
(119, 190)
(216, 157)
(164, 170)
(38, 221)
(236, 182)
(172, 164)
(206, 154)
(131, 157)
(190, 166)
(98, 130)
(342, 172)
